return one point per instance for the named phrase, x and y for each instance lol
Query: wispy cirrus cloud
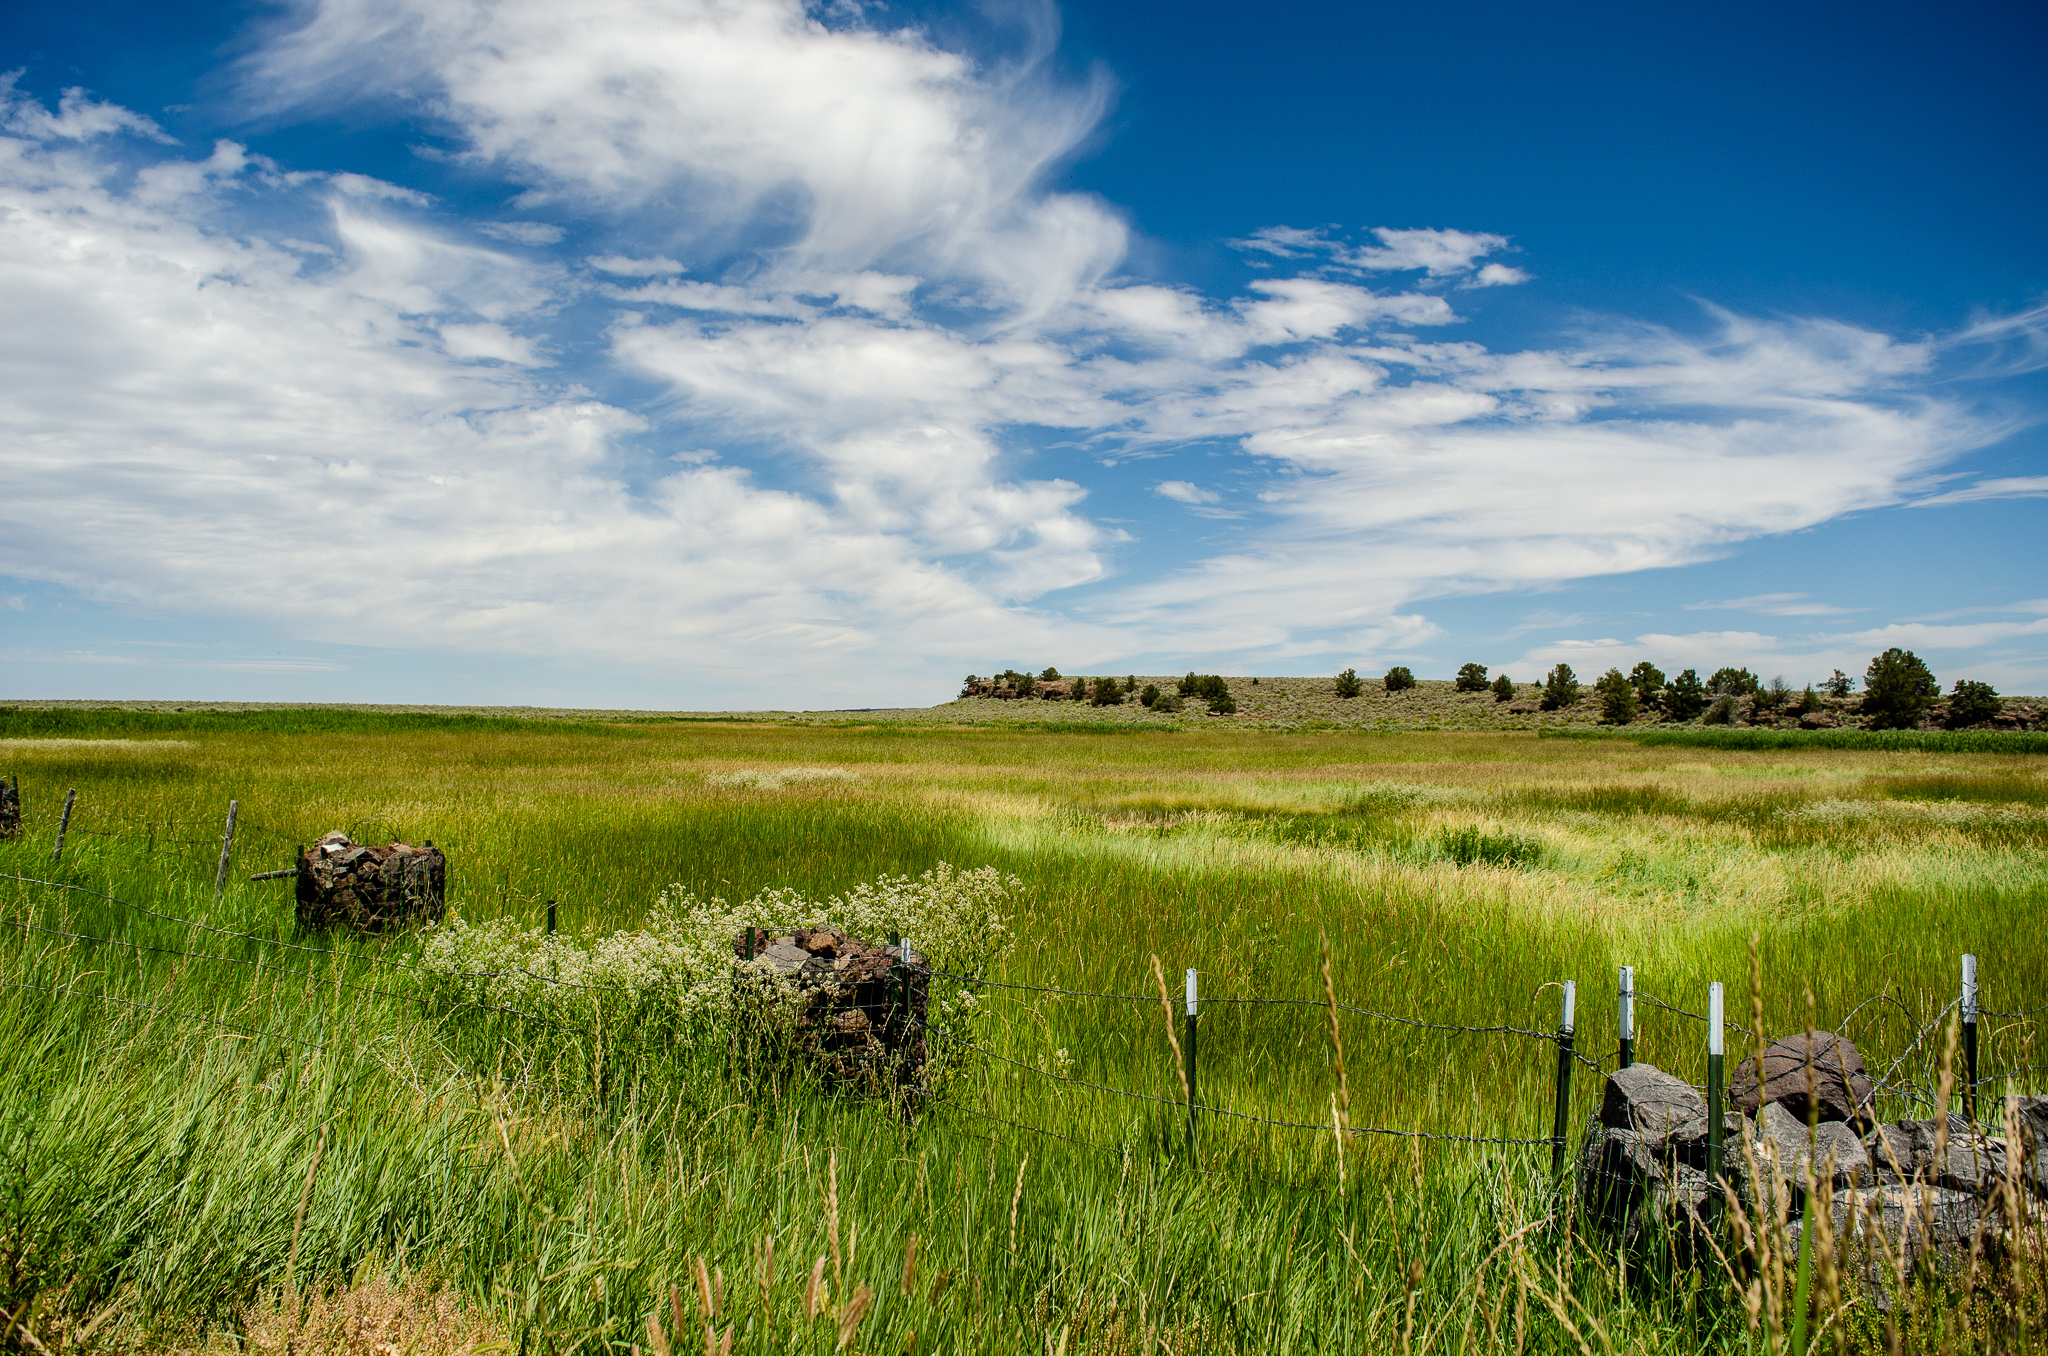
(1186, 492)
(1998, 487)
(1773, 605)
(1437, 253)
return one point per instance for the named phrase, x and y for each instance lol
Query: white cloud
(634, 268)
(1954, 651)
(522, 232)
(1438, 253)
(856, 145)
(1187, 492)
(1441, 253)
(2003, 487)
(489, 341)
(1498, 275)
(1772, 604)
(78, 117)
(200, 420)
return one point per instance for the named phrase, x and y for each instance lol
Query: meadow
(218, 1133)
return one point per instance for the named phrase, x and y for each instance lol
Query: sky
(712, 354)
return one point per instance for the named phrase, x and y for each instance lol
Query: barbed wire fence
(166, 833)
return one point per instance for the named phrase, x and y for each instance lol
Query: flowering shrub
(674, 977)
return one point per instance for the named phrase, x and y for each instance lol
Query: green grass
(152, 1160)
(1891, 741)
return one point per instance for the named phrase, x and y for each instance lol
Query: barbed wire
(1655, 1001)
(321, 950)
(1317, 1003)
(1921, 1035)
(1874, 998)
(157, 1007)
(249, 1031)
(261, 965)
(966, 1044)
(1222, 1111)
(2022, 1013)
(1904, 1092)
(1020, 1125)
(2008, 1073)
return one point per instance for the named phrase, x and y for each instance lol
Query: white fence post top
(1714, 1018)
(1571, 1002)
(1191, 991)
(1969, 988)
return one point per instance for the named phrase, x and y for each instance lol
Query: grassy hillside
(188, 1140)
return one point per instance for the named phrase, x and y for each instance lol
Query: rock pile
(847, 1006)
(1056, 690)
(1899, 1193)
(10, 810)
(370, 888)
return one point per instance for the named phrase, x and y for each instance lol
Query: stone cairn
(853, 1010)
(1899, 1193)
(10, 810)
(370, 887)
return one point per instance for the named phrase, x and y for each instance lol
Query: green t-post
(1626, 1018)
(1715, 1129)
(1190, 1054)
(1561, 1125)
(1970, 1038)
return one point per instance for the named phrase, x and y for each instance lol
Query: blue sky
(746, 354)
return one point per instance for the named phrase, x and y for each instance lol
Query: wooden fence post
(1628, 1017)
(1560, 1125)
(227, 848)
(64, 824)
(1970, 1038)
(1715, 1128)
(1193, 1095)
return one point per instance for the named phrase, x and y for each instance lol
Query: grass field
(330, 1149)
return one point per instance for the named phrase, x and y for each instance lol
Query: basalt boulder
(1641, 1176)
(1884, 1234)
(1645, 1099)
(1963, 1159)
(851, 1009)
(10, 810)
(370, 887)
(1838, 1082)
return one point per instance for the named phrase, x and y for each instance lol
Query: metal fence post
(551, 923)
(227, 848)
(1970, 1038)
(64, 824)
(1564, 1080)
(1628, 1017)
(1715, 1128)
(1193, 1095)
(898, 992)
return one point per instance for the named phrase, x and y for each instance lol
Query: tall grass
(162, 1115)
(1890, 741)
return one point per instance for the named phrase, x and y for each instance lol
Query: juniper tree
(1685, 698)
(1972, 704)
(1560, 688)
(1617, 698)
(1897, 690)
